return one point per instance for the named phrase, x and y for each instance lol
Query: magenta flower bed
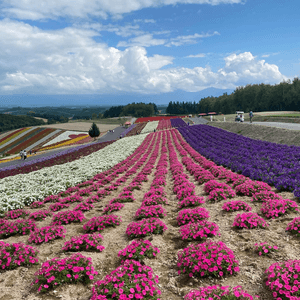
(275, 208)
(191, 201)
(15, 214)
(249, 187)
(249, 220)
(9, 228)
(54, 272)
(207, 259)
(236, 205)
(198, 231)
(154, 200)
(283, 279)
(67, 217)
(71, 199)
(218, 292)
(17, 254)
(40, 215)
(294, 226)
(84, 206)
(52, 198)
(220, 194)
(139, 250)
(264, 248)
(192, 215)
(131, 280)
(204, 176)
(154, 211)
(111, 207)
(102, 222)
(264, 196)
(46, 234)
(213, 184)
(37, 204)
(58, 206)
(85, 242)
(145, 227)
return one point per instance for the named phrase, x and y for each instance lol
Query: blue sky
(146, 47)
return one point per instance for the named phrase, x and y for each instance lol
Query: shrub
(276, 208)
(17, 254)
(67, 217)
(85, 242)
(54, 272)
(209, 258)
(9, 228)
(102, 222)
(192, 215)
(58, 206)
(145, 227)
(249, 220)
(294, 226)
(283, 279)
(249, 187)
(40, 215)
(220, 194)
(139, 250)
(111, 207)
(46, 234)
(264, 248)
(198, 231)
(15, 214)
(236, 205)
(191, 201)
(154, 211)
(84, 206)
(217, 292)
(131, 280)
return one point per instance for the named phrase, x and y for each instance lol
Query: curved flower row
(17, 191)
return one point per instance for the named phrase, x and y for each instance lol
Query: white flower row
(62, 137)
(150, 127)
(22, 189)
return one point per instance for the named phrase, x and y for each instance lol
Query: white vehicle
(239, 116)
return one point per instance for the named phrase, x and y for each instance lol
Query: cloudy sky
(63, 47)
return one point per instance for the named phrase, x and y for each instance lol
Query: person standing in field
(251, 115)
(25, 154)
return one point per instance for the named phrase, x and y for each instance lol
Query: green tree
(94, 116)
(94, 131)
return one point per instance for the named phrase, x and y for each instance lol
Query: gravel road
(291, 126)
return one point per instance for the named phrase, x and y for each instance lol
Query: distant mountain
(106, 100)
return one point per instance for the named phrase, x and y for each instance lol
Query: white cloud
(144, 21)
(70, 61)
(147, 40)
(45, 9)
(200, 55)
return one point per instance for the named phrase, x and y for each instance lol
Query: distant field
(81, 126)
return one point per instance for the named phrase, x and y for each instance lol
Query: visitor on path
(251, 116)
(242, 118)
(113, 130)
(25, 154)
(21, 154)
(30, 152)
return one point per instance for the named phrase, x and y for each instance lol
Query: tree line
(134, 109)
(256, 97)
(9, 122)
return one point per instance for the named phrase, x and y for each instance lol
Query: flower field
(149, 217)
